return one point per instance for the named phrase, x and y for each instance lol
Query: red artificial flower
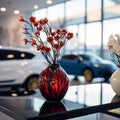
(58, 31)
(64, 31)
(42, 48)
(33, 42)
(47, 49)
(32, 19)
(22, 19)
(57, 37)
(39, 28)
(57, 46)
(50, 39)
(35, 24)
(25, 40)
(53, 33)
(37, 34)
(38, 47)
(69, 36)
(43, 21)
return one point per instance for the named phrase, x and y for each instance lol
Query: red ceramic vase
(53, 83)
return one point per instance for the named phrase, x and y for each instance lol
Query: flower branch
(55, 39)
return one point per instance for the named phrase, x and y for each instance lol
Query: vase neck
(54, 66)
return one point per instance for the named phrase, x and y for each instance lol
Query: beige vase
(115, 82)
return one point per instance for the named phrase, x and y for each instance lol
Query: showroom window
(75, 11)
(85, 19)
(56, 13)
(111, 26)
(111, 8)
(42, 13)
(93, 10)
(93, 37)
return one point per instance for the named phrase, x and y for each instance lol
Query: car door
(8, 65)
(71, 64)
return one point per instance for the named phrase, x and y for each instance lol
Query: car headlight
(96, 65)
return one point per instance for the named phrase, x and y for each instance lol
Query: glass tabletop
(79, 100)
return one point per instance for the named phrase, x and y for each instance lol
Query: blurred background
(91, 21)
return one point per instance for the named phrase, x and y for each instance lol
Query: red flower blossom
(58, 31)
(47, 49)
(32, 19)
(42, 48)
(50, 39)
(35, 24)
(53, 33)
(57, 37)
(33, 42)
(37, 34)
(57, 46)
(38, 47)
(69, 36)
(43, 21)
(22, 19)
(64, 31)
(39, 28)
(25, 40)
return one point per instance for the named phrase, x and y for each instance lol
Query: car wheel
(31, 83)
(88, 75)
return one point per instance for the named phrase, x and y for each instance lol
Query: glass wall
(56, 13)
(42, 13)
(93, 10)
(91, 21)
(75, 12)
(111, 8)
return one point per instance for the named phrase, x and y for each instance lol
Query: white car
(20, 67)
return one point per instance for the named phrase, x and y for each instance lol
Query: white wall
(10, 30)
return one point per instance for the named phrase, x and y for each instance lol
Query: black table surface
(79, 100)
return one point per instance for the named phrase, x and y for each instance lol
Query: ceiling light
(49, 1)
(16, 12)
(35, 6)
(3, 9)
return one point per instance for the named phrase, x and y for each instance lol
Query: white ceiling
(24, 5)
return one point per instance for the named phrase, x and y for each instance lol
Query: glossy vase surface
(53, 83)
(115, 82)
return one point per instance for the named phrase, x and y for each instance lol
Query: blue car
(88, 65)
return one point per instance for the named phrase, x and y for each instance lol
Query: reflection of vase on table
(53, 82)
(52, 107)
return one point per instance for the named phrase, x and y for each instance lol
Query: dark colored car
(88, 65)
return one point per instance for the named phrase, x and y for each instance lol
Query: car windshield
(69, 57)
